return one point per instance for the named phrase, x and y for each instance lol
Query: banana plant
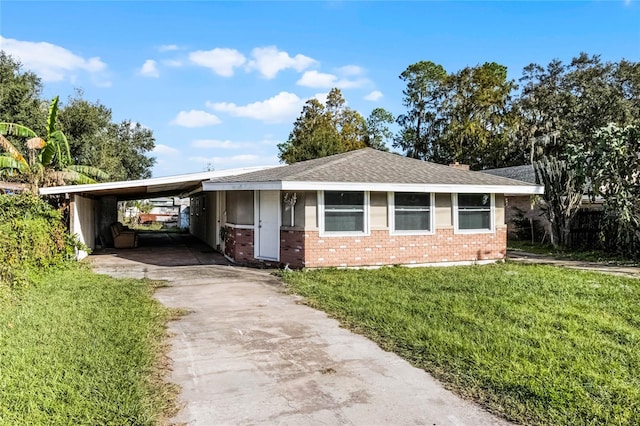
(48, 161)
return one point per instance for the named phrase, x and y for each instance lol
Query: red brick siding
(292, 248)
(238, 244)
(307, 248)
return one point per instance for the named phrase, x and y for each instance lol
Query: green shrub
(33, 238)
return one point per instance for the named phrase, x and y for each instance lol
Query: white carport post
(82, 222)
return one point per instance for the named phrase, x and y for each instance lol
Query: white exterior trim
(492, 217)
(373, 187)
(391, 205)
(166, 180)
(323, 233)
(234, 226)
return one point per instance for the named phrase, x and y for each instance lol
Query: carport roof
(180, 185)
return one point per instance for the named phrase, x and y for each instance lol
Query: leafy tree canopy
(119, 149)
(20, 97)
(48, 162)
(378, 133)
(323, 130)
(464, 116)
(613, 165)
(565, 104)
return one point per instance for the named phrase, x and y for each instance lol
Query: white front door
(267, 235)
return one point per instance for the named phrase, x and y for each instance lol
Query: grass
(535, 344)
(156, 227)
(153, 226)
(581, 255)
(82, 348)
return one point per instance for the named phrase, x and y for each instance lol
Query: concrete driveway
(249, 353)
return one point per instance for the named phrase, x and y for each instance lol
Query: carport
(94, 207)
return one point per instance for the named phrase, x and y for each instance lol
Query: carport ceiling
(180, 185)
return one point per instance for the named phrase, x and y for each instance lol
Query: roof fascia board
(242, 186)
(382, 187)
(167, 180)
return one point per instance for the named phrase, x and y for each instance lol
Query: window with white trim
(344, 212)
(474, 212)
(411, 212)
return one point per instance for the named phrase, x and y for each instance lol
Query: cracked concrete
(249, 353)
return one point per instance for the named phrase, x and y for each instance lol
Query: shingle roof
(368, 165)
(522, 173)
(525, 173)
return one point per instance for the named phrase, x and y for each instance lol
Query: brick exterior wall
(292, 248)
(308, 249)
(238, 244)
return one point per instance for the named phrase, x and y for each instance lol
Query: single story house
(359, 208)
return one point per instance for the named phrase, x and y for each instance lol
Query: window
(474, 212)
(411, 212)
(344, 212)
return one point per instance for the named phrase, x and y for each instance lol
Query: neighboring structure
(525, 210)
(360, 208)
(521, 210)
(12, 187)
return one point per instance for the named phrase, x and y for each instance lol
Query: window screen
(412, 211)
(474, 211)
(343, 211)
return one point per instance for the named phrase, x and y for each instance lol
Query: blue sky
(221, 83)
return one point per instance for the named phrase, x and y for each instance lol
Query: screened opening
(474, 211)
(343, 211)
(412, 211)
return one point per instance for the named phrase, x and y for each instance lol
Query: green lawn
(581, 255)
(536, 344)
(81, 348)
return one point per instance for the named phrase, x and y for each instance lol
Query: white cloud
(269, 61)
(322, 97)
(52, 62)
(214, 143)
(195, 118)
(374, 96)
(317, 79)
(134, 125)
(282, 107)
(161, 149)
(149, 69)
(351, 70)
(172, 63)
(320, 80)
(220, 60)
(167, 47)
